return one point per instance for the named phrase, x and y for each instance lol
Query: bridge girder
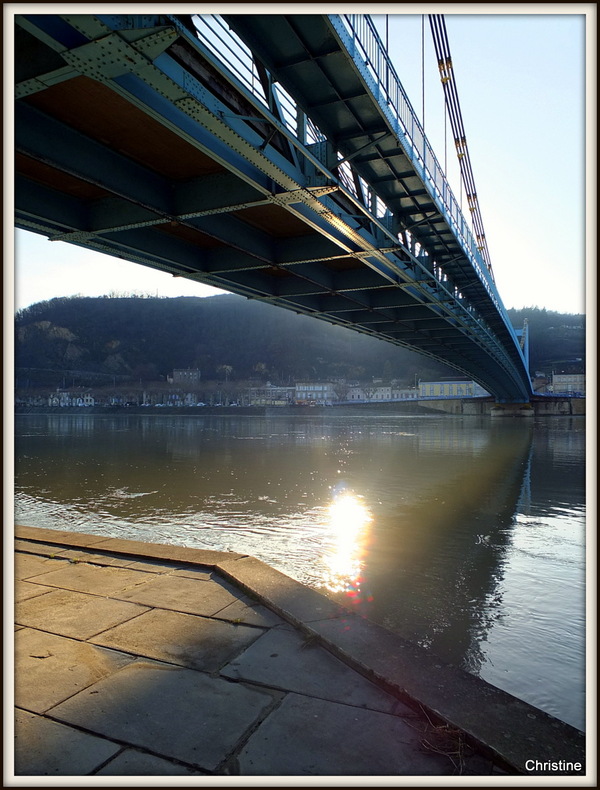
(231, 199)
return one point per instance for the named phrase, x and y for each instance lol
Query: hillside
(135, 338)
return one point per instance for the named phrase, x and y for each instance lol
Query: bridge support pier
(512, 410)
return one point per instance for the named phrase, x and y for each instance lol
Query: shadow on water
(434, 568)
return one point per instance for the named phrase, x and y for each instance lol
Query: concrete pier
(539, 406)
(137, 659)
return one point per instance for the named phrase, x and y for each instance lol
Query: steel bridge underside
(132, 138)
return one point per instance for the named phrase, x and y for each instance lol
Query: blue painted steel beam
(39, 203)
(71, 152)
(215, 192)
(57, 144)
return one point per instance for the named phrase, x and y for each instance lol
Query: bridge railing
(228, 48)
(365, 40)
(360, 36)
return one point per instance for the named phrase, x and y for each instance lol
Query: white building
(404, 394)
(318, 393)
(374, 393)
(568, 383)
(64, 399)
(271, 396)
(186, 376)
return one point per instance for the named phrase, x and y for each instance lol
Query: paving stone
(194, 596)
(28, 566)
(282, 659)
(75, 614)
(189, 640)
(43, 549)
(47, 748)
(82, 555)
(164, 551)
(150, 566)
(25, 590)
(283, 594)
(93, 578)
(50, 668)
(57, 536)
(248, 611)
(175, 712)
(501, 723)
(311, 737)
(194, 573)
(132, 762)
(171, 568)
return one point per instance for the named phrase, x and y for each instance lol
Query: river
(465, 535)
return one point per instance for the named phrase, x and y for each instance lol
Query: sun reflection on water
(347, 529)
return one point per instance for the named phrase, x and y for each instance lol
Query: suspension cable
(423, 67)
(442, 50)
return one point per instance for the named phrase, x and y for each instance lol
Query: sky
(521, 85)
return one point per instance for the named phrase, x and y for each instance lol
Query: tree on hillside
(226, 369)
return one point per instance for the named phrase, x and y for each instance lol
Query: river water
(465, 535)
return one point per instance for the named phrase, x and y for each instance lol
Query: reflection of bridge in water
(438, 580)
(273, 156)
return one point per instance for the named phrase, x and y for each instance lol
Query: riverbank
(470, 407)
(413, 408)
(264, 674)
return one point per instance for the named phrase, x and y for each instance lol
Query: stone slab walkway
(136, 659)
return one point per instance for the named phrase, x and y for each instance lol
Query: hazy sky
(521, 85)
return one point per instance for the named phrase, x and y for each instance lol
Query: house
(186, 377)
(61, 399)
(451, 389)
(271, 396)
(373, 393)
(404, 393)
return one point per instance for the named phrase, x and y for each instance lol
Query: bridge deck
(218, 189)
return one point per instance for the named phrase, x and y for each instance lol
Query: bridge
(273, 156)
